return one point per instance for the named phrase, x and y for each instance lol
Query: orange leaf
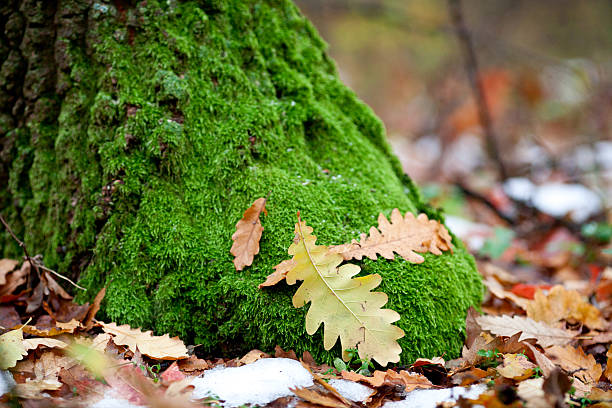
(247, 235)
(516, 367)
(403, 235)
(527, 291)
(561, 304)
(576, 363)
(280, 272)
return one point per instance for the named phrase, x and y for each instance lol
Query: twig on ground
(35, 264)
(59, 275)
(22, 245)
(471, 66)
(479, 197)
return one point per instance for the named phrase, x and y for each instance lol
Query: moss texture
(170, 120)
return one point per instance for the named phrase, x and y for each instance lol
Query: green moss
(171, 130)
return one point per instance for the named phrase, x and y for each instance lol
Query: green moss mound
(177, 117)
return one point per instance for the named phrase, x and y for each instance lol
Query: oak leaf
(11, 348)
(280, 272)
(247, 235)
(342, 303)
(544, 334)
(403, 235)
(318, 399)
(576, 362)
(410, 381)
(31, 344)
(158, 347)
(561, 304)
(516, 367)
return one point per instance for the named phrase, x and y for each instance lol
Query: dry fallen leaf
(280, 272)
(344, 305)
(561, 304)
(531, 391)
(12, 348)
(31, 344)
(252, 356)
(6, 266)
(247, 235)
(159, 347)
(576, 363)
(608, 372)
(516, 367)
(499, 292)
(13, 279)
(508, 326)
(318, 399)
(410, 381)
(403, 235)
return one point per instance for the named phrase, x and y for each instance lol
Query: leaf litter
(540, 342)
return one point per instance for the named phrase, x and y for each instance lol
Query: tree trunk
(134, 136)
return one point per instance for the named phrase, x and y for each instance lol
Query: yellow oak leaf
(342, 303)
(11, 348)
(403, 235)
(516, 367)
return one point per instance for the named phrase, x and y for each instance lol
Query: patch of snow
(558, 199)
(6, 382)
(351, 390)
(603, 153)
(464, 155)
(472, 233)
(431, 398)
(258, 383)
(110, 401)
(519, 188)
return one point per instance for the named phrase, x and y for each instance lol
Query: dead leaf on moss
(561, 304)
(403, 235)
(158, 347)
(247, 235)
(280, 272)
(344, 305)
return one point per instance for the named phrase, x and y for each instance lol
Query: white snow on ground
(110, 401)
(431, 398)
(6, 382)
(258, 383)
(351, 390)
(556, 199)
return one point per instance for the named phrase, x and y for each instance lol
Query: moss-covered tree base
(151, 130)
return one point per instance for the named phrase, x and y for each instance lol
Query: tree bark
(134, 136)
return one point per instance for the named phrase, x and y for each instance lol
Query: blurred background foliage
(544, 65)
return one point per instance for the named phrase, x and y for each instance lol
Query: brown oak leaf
(403, 235)
(247, 235)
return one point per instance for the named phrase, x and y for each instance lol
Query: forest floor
(543, 338)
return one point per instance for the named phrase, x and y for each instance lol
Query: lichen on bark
(157, 124)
